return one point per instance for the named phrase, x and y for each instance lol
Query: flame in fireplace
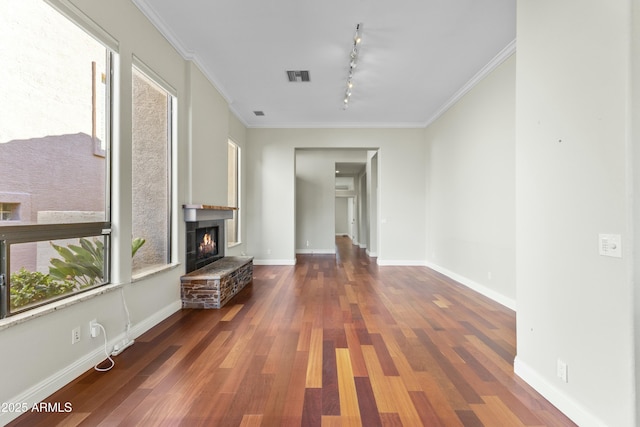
(207, 247)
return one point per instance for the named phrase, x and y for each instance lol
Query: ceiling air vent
(259, 113)
(298, 76)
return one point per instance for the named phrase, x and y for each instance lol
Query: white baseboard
(274, 262)
(400, 263)
(316, 251)
(151, 321)
(53, 383)
(56, 381)
(371, 254)
(577, 413)
(487, 292)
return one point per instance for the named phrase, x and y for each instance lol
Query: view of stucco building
(55, 163)
(53, 158)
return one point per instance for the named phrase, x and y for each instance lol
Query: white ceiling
(416, 57)
(349, 169)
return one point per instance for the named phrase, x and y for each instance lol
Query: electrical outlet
(94, 329)
(75, 335)
(562, 371)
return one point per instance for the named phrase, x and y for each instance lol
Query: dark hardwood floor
(333, 341)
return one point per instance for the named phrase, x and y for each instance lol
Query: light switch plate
(610, 245)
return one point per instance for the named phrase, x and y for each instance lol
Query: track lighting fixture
(353, 63)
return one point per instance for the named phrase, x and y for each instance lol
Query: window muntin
(53, 142)
(153, 115)
(9, 211)
(233, 193)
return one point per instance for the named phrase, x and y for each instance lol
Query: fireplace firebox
(205, 243)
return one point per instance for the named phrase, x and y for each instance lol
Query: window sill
(233, 245)
(75, 299)
(152, 271)
(55, 306)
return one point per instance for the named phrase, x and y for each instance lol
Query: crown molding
(502, 56)
(236, 113)
(162, 26)
(340, 125)
(186, 54)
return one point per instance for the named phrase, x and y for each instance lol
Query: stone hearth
(213, 285)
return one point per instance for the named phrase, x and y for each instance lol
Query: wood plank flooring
(333, 341)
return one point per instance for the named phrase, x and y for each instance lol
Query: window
(233, 167)
(9, 212)
(153, 115)
(55, 87)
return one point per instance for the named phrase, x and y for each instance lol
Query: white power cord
(126, 310)
(128, 342)
(120, 347)
(105, 352)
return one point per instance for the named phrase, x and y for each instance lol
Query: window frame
(172, 124)
(238, 193)
(43, 232)
(32, 233)
(12, 210)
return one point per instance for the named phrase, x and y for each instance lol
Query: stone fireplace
(211, 279)
(205, 239)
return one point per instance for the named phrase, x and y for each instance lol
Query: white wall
(363, 210)
(372, 203)
(573, 169)
(635, 185)
(238, 134)
(471, 188)
(209, 135)
(271, 221)
(347, 183)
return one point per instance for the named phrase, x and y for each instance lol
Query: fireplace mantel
(195, 213)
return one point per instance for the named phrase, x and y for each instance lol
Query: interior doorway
(332, 196)
(343, 225)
